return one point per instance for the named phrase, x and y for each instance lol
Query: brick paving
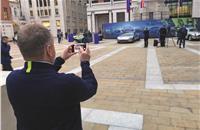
(121, 79)
(179, 65)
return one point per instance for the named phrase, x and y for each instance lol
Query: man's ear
(50, 50)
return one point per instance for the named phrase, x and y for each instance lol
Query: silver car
(128, 37)
(192, 34)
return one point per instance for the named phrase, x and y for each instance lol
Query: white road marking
(154, 78)
(125, 121)
(193, 50)
(93, 62)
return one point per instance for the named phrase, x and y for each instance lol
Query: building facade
(65, 15)
(195, 9)
(111, 11)
(6, 25)
(177, 10)
(17, 16)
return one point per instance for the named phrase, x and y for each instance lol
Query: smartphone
(76, 47)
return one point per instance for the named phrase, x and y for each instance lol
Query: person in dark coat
(5, 54)
(66, 35)
(43, 98)
(85, 35)
(163, 33)
(59, 36)
(146, 37)
(183, 31)
(179, 36)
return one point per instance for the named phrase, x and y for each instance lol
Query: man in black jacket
(42, 98)
(5, 54)
(183, 32)
(146, 37)
(163, 33)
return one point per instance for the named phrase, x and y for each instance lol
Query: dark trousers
(59, 40)
(182, 41)
(146, 42)
(7, 67)
(162, 41)
(178, 40)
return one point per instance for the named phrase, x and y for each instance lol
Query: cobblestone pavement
(121, 78)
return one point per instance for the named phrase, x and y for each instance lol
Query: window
(58, 23)
(31, 13)
(46, 24)
(45, 3)
(56, 12)
(41, 12)
(56, 2)
(48, 2)
(38, 12)
(49, 12)
(37, 3)
(150, 15)
(15, 12)
(5, 13)
(45, 12)
(30, 3)
(176, 11)
(40, 3)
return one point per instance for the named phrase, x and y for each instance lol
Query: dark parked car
(128, 37)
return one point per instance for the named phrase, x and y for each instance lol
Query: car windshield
(127, 34)
(193, 30)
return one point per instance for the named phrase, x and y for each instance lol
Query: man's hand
(67, 53)
(84, 54)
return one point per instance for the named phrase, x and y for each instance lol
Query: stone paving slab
(94, 126)
(112, 118)
(178, 65)
(195, 47)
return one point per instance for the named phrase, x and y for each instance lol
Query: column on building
(93, 22)
(131, 16)
(89, 21)
(114, 17)
(126, 16)
(34, 7)
(110, 16)
(61, 13)
(52, 19)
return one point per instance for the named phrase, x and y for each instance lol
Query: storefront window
(46, 24)
(179, 11)
(58, 23)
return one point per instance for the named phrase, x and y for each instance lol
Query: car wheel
(190, 38)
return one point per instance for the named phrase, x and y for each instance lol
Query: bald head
(32, 40)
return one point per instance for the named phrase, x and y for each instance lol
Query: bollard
(96, 38)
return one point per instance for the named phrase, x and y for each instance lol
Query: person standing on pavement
(66, 35)
(59, 36)
(146, 37)
(43, 98)
(179, 36)
(5, 54)
(163, 33)
(183, 31)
